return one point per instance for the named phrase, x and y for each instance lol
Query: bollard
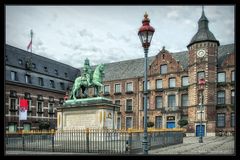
(149, 141)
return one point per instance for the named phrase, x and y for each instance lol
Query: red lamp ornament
(146, 31)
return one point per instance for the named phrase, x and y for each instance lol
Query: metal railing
(105, 141)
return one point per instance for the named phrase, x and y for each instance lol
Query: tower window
(200, 75)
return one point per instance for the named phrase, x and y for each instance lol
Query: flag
(29, 45)
(23, 109)
(22, 114)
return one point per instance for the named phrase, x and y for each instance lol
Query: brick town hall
(173, 86)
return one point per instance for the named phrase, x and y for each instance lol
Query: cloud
(62, 35)
(85, 33)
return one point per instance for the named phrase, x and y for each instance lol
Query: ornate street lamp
(201, 83)
(145, 34)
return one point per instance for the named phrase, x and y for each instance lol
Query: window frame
(52, 83)
(172, 95)
(38, 110)
(14, 73)
(115, 85)
(161, 69)
(127, 83)
(183, 101)
(131, 121)
(219, 78)
(233, 97)
(169, 82)
(40, 81)
(221, 98)
(28, 79)
(156, 104)
(233, 76)
(183, 77)
(62, 86)
(198, 75)
(127, 106)
(159, 80)
(233, 123)
(224, 120)
(156, 124)
(104, 89)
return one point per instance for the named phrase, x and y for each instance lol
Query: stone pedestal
(98, 113)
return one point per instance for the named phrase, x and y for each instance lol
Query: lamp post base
(145, 147)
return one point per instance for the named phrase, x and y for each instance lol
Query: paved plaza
(190, 146)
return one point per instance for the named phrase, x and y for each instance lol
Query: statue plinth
(96, 112)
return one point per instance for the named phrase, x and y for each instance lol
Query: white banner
(23, 114)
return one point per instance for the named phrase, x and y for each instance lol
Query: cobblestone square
(191, 146)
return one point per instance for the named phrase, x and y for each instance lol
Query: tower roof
(203, 33)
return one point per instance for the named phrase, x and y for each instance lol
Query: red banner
(23, 104)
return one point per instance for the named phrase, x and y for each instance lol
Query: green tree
(44, 125)
(150, 124)
(182, 122)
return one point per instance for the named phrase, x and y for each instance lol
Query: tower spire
(203, 33)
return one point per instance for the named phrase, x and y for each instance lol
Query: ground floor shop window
(26, 127)
(12, 127)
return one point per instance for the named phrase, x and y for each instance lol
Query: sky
(105, 34)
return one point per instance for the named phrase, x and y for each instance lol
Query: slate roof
(223, 50)
(134, 68)
(15, 54)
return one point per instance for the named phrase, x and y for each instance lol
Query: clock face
(201, 53)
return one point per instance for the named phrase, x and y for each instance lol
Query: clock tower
(202, 63)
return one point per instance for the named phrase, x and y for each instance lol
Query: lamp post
(145, 34)
(201, 83)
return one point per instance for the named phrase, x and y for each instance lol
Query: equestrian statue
(88, 79)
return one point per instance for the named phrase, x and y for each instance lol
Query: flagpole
(19, 116)
(31, 32)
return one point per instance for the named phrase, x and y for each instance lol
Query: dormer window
(33, 65)
(66, 75)
(13, 93)
(51, 99)
(45, 69)
(27, 78)
(62, 86)
(40, 98)
(20, 62)
(52, 84)
(56, 72)
(27, 95)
